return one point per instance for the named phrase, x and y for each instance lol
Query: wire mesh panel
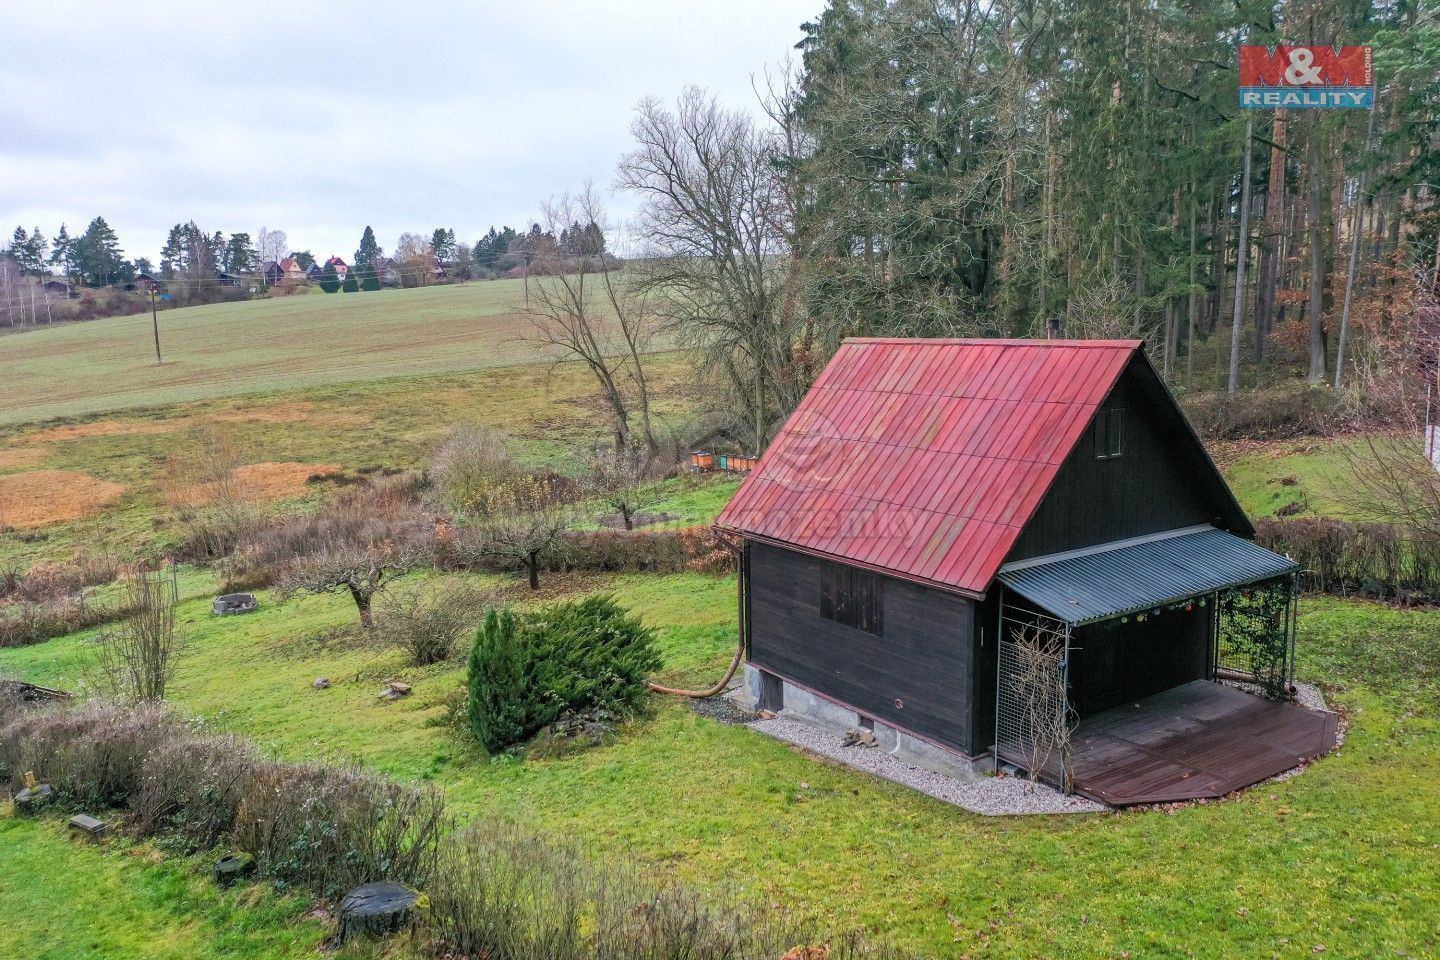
(1255, 633)
(1032, 712)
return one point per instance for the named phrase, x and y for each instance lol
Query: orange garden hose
(739, 647)
(701, 694)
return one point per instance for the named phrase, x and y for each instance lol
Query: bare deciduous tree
(714, 208)
(360, 569)
(272, 245)
(623, 479)
(522, 521)
(415, 259)
(588, 308)
(356, 545)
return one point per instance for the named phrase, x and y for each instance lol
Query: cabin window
(852, 598)
(1109, 434)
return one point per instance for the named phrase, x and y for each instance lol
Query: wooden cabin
(938, 517)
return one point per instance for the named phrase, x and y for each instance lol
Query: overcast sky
(320, 118)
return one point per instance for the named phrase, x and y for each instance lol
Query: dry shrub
(35, 621)
(50, 600)
(328, 829)
(190, 786)
(649, 551)
(471, 461)
(509, 894)
(136, 659)
(428, 625)
(215, 502)
(659, 551)
(1375, 559)
(92, 755)
(322, 828)
(48, 579)
(1276, 413)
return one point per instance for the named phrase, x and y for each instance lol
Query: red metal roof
(925, 458)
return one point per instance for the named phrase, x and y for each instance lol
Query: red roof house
(928, 498)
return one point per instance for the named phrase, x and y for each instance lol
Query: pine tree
(369, 250)
(60, 251)
(240, 256)
(98, 258)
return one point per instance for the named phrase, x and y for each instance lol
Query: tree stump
(31, 797)
(376, 909)
(232, 867)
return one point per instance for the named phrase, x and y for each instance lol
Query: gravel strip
(722, 709)
(992, 796)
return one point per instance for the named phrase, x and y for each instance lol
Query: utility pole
(1240, 263)
(155, 323)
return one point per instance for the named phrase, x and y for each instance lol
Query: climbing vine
(1255, 635)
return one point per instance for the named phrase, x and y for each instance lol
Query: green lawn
(1299, 477)
(67, 899)
(1342, 857)
(236, 348)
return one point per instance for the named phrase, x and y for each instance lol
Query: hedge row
(324, 829)
(1368, 559)
(494, 890)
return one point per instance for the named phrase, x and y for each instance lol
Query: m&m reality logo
(1306, 77)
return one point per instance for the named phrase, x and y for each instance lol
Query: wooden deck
(1197, 740)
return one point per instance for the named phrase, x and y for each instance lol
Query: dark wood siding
(923, 661)
(1160, 481)
(1113, 663)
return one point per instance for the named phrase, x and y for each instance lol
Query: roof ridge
(1001, 342)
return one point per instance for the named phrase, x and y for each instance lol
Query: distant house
(228, 279)
(387, 272)
(342, 269)
(272, 272)
(292, 269)
(56, 288)
(314, 273)
(144, 283)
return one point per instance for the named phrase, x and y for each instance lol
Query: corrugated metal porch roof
(1118, 579)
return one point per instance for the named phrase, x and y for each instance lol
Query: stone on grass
(321, 683)
(232, 867)
(88, 825)
(32, 797)
(394, 690)
(375, 910)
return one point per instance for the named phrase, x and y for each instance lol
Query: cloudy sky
(320, 118)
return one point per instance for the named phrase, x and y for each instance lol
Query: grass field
(237, 348)
(1343, 857)
(549, 410)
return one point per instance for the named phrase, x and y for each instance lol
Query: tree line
(1052, 168)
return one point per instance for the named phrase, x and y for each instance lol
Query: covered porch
(1117, 669)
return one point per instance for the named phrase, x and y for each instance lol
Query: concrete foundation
(806, 707)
